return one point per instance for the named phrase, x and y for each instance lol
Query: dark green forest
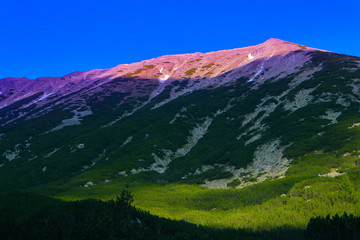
(30, 216)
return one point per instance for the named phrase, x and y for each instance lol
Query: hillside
(255, 138)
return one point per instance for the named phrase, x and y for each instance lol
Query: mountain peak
(274, 40)
(205, 65)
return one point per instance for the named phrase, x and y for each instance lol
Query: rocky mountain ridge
(203, 70)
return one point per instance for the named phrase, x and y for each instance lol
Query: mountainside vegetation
(29, 216)
(254, 157)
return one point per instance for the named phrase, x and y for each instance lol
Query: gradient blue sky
(53, 38)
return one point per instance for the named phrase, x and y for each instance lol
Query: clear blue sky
(53, 38)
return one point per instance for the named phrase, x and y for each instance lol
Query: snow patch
(44, 169)
(257, 74)
(43, 97)
(163, 79)
(260, 71)
(250, 56)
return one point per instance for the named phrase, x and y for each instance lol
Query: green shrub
(191, 71)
